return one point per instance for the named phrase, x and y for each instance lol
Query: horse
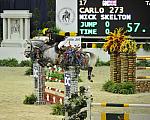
(36, 49)
(66, 16)
(50, 54)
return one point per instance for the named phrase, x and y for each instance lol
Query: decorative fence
(143, 82)
(53, 95)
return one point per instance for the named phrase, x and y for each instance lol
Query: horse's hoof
(93, 75)
(91, 80)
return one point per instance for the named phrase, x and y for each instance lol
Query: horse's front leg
(90, 73)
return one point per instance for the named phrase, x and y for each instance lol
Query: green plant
(11, 62)
(25, 63)
(58, 109)
(56, 30)
(31, 99)
(80, 80)
(76, 103)
(82, 90)
(102, 63)
(146, 47)
(57, 75)
(60, 76)
(107, 85)
(119, 88)
(116, 88)
(99, 45)
(130, 87)
(29, 71)
(143, 63)
(114, 40)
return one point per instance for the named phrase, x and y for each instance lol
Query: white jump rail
(119, 105)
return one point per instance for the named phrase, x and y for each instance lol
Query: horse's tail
(92, 59)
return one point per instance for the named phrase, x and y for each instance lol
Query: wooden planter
(128, 67)
(115, 67)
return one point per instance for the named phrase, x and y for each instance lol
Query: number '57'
(132, 27)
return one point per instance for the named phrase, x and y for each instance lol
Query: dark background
(43, 12)
(42, 5)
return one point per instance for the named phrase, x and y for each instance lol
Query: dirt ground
(14, 85)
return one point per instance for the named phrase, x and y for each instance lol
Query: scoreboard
(99, 17)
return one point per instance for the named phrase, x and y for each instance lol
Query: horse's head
(34, 45)
(28, 49)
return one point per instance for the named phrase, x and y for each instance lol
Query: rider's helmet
(46, 31)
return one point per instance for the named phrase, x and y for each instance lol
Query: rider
(53, 38)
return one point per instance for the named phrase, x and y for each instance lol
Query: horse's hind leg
(90, 73)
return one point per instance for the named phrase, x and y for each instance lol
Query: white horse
(38, 50)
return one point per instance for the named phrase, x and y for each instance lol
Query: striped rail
(119, 105)
(143, 68)
(143, 57)
(143, 77)
(115, 116)
(54, 89)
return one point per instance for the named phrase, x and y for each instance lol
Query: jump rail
(143, 57)
(143, 77)
(143, 68)
(112, 116)
(120, 105)
(54, 89)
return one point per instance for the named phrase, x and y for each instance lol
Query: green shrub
(107, 85)
(99, 45)
(29, 71)
(116, 88)
(130, 87)
(146, 47)
(80, 80)
(58, 109)
(57, 75)
(102, 63)
(121, 88)
(30, 99)
(75, 104)
(25, 63)
(60, 76)
(82, 90)
(144, 63)
(11, 62)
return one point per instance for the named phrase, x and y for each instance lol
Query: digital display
(99, 17)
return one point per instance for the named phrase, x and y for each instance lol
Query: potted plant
(112, 45)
